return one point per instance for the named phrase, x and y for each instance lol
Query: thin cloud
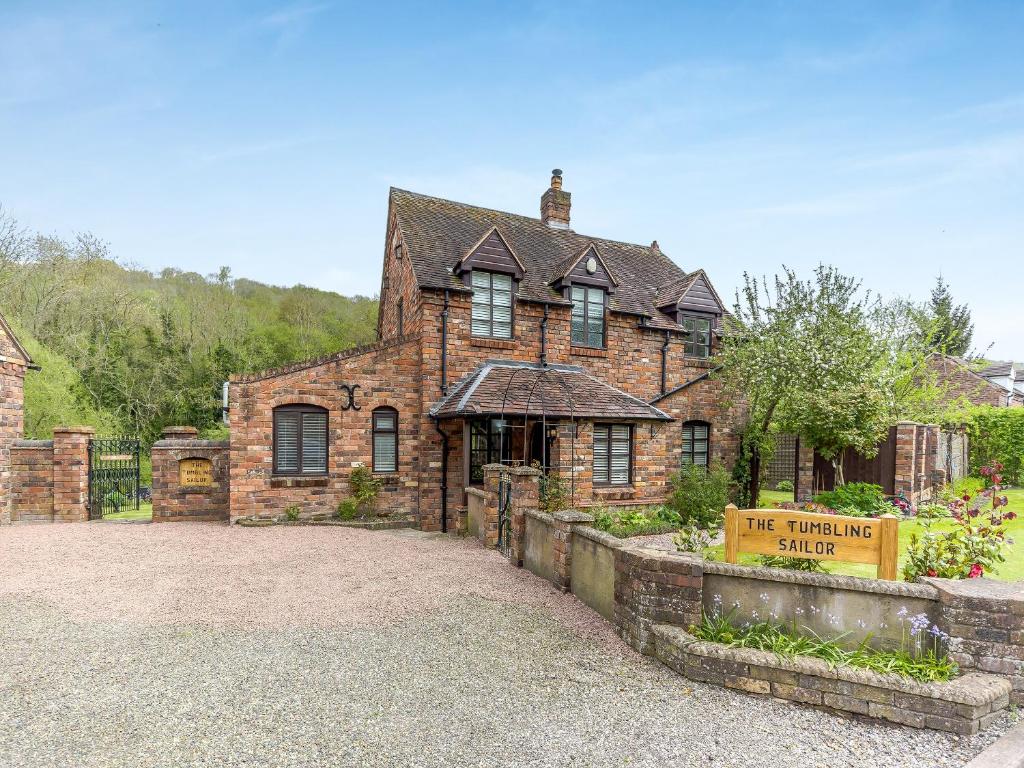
(291, 14)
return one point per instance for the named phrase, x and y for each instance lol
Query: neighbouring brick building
(1000, 385)
(14, 362)
(501, 338)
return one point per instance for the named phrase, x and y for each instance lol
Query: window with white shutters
(696, 440)
(300, 440)
(385, 440)
(613, 454)
(492, 305)
(588, 316)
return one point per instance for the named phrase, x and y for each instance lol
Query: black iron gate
(505, 513)
(113, 476)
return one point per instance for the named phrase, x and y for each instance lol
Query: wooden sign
(195, 472)
(813, 537)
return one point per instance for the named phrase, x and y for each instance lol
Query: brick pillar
(804, 472)
(906, 459)
(564, 522)
(71, 473)
(525, 495)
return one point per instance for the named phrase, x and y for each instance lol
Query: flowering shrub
(973, 546)
(922, 654)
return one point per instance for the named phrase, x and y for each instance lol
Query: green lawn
(1011, 570)
(145, 512)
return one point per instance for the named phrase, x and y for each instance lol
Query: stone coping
(536, 514)
(1011, 593)
(180, 442)
(573, 516)
(479, 493)
(34, 445)
(830, 581)
(973, 689)
(600, 537)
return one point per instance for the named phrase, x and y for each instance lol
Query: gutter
(689, 383)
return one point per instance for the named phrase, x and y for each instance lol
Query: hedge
(997, 434)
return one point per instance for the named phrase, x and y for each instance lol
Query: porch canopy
(508, 388)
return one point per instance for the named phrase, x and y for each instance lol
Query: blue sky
(886, 138)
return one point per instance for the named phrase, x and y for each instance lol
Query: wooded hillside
(127, 350)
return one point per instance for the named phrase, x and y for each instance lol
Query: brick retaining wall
(50, 478)
(32, 490)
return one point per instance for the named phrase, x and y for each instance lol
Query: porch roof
(555, 391)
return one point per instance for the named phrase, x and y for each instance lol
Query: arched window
(696, 442)
(385, 440)
(300, 440)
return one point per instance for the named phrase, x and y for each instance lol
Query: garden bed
(964, 705)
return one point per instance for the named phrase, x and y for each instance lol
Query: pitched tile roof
(998, 369)
(526, 389)
(437, 233)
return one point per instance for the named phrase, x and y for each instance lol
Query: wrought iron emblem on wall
(350, 404)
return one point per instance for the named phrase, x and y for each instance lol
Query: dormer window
(698, 338)
(492, 304)
(588, 326)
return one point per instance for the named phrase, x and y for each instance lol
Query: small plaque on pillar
(195, 472)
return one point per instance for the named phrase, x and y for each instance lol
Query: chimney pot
(555, 203)
(655, 246)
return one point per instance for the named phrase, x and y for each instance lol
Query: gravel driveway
(198, 644)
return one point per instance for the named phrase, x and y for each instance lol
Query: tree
(803, 356)
(947, 326)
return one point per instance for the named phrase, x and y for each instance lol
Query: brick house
(14, 362)
(501, 338)
(1000, 385)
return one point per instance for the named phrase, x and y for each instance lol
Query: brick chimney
(555, 203)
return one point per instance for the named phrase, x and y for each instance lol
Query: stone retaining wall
(174, 501)
(826, 604)
(649, 593)
(964, 705)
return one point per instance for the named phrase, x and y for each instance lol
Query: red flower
(973, 512)
(1010, 516)
(932, 572)
(976, 571)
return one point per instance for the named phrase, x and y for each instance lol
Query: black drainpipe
(664, 364)
(544, 337)
(444, 346)
(444, 474)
